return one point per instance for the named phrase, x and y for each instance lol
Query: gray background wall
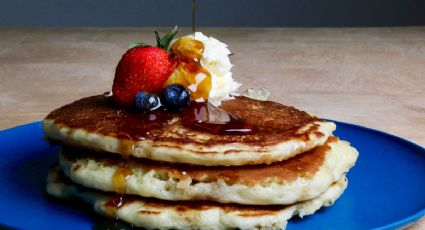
(134, 13)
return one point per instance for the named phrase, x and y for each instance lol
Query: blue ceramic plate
(386, 187)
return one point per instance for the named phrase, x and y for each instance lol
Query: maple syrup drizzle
(199, 116)
(193, 17)
(119, 182)
(119, 179)
(189, 71)
(113, 204)
(205, 117)
(137, 125)
(120, 176)
(132, 127)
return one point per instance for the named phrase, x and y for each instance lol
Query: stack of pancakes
(154, 172)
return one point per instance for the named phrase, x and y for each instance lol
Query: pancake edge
(232, 154)
(95, 174)
(142, 214)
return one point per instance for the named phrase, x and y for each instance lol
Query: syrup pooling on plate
(203, 116)
(189, 71)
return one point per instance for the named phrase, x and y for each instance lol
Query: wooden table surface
(374, 77)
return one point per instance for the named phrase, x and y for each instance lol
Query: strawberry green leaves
(161, 42)
(164, 42)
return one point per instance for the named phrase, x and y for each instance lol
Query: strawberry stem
(165, 41)
(161, 42)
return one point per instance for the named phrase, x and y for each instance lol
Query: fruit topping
(175, 96)
(147, 101)
(198, 65)
(143, 68)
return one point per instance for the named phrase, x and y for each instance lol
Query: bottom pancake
(159, 214)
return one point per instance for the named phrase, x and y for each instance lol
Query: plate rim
(407, 220)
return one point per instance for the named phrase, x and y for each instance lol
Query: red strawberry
(143, 68)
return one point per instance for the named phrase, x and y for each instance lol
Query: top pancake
(95, 122)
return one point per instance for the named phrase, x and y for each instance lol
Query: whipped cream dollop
(215, 58)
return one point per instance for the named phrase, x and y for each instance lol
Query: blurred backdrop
(217, 13)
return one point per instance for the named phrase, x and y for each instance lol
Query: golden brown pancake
(303, 165)
(158, 214)
(280, 132)
(299, 178)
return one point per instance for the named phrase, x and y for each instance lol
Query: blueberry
(175, 96)
(146, 101)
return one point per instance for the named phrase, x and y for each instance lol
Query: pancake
(281, 132)
(300, 178)
(158, 214)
